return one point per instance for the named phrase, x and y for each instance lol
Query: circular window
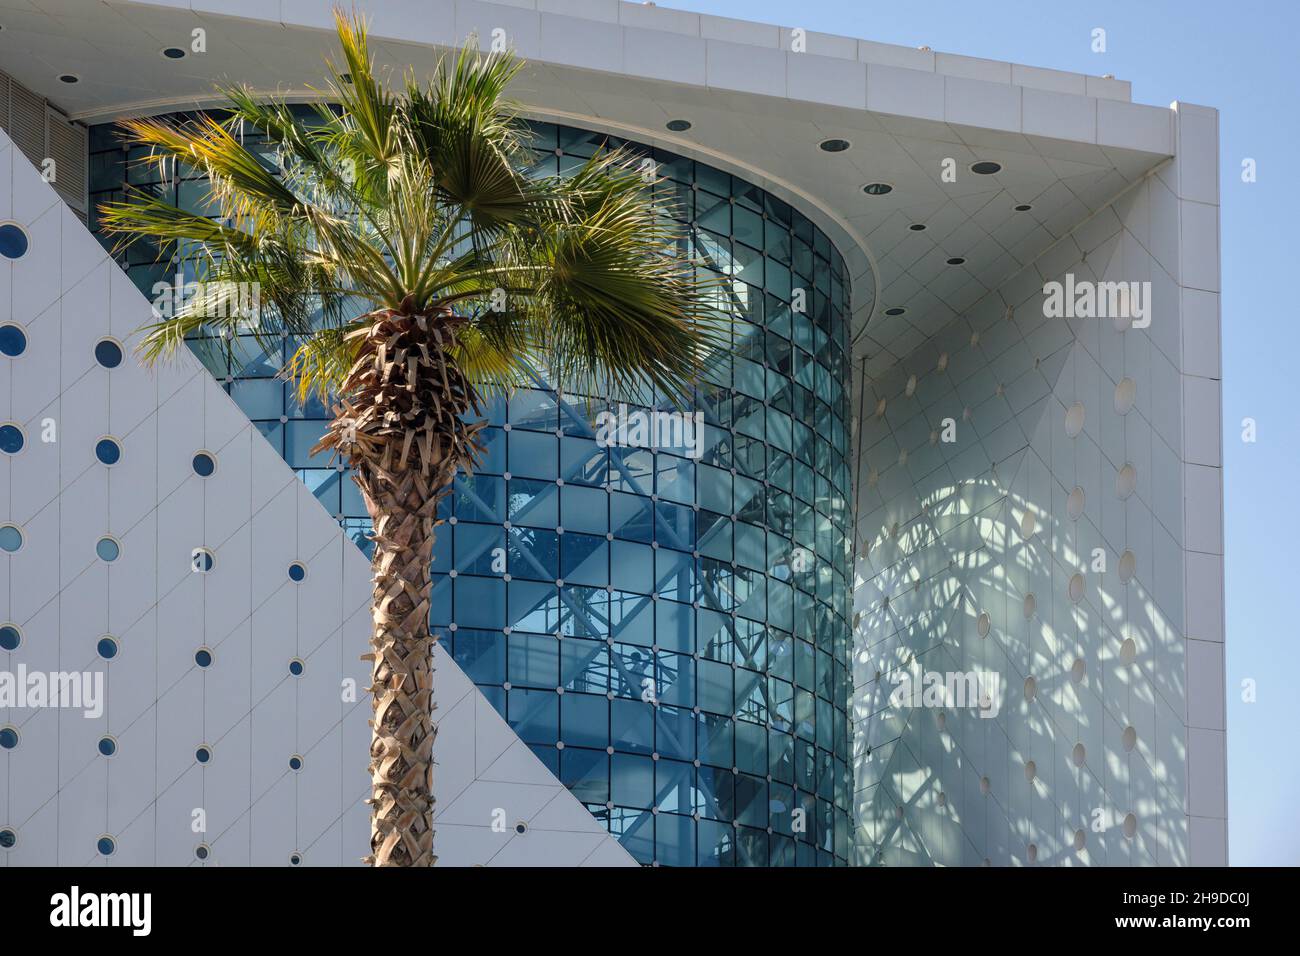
(11, 438)
(1125, 395)
(8, 839)
(296, 667)
(1127, 566)
(1076, 588)
(985, 786)
(1075, 503)
(678, 125)
(1031, 605)
(204, 464)
(1078, 670)
(1079, 755)
(877, 189)
(10, 637)
(203, 754)
(11, 538)
(1032, 853)
(1031, 770)
(983, 623)
(8, 737)
(1031, 688)
(297, 571)
(295, 859)
(202, 560)
(202, 852)
(13, 241)
(108, 451)
(107, 746)
(108, 353)
(107, 648)
(107, 549)
(106, 845)
(985, 168)
(173, 53)
(1028, 524)
(1129, 739)
(295, 762)
(955, 260)
(1130, 826)
(834, 145)
(1080, 839)
(1126, 482)
(203, 657)
(1074, 419)
(13, 340)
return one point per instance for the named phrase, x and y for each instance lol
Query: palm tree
(399, 237)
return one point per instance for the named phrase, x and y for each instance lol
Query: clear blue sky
(1240, 58)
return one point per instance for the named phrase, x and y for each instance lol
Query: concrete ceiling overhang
(1068, 144)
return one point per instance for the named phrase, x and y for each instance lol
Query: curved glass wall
(667, 631)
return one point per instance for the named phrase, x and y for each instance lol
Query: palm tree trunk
(401, 425)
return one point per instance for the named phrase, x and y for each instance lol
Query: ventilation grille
(43, 133)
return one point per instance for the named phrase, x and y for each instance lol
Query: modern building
(943, 585)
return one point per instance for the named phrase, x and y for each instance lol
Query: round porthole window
(10, 637)
(1126, 482)
(107, 647)
(203, 657)
(107, 549)
(1079, 755)
(1127, 566)
(107, 746)
(1031, 606)
(106, 845)
(1074, 419)
(1080, 840)
(108, 353)
(203, 754)
(108, 451)
(11, 438)
(202, 560)
(13, 241)
(1076, 588)
(983, 623)
(1075, 503)
(296, 667)
(202, 852)
(8, 838)
(1130, 826)
(297, 572)
(295, 762)
(204, 464)
(8, 737)
(13, 340)
(1129, 739)
(1125, 394)
(11, 538)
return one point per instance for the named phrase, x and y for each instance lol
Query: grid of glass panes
(669, 634)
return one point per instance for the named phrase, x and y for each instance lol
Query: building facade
(939, 582)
